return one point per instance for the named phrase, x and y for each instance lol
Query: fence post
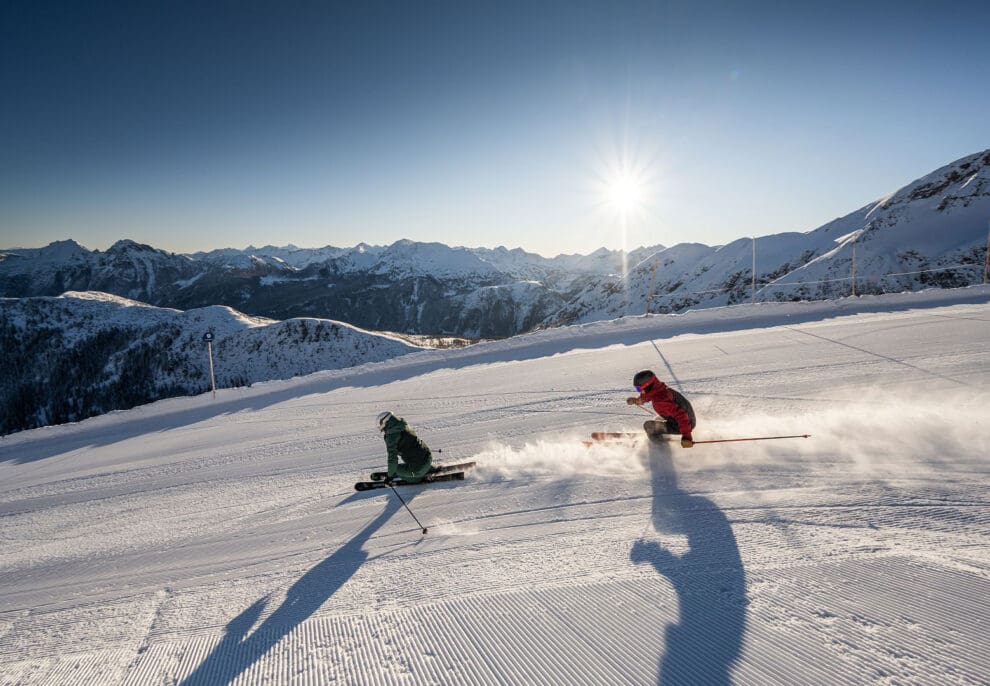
(986, 258)
(208, 337)
(752, 298)
(854, 266)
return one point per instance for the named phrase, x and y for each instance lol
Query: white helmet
(383, 419)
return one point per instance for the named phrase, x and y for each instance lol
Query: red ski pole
(755, 438)
(730, 440)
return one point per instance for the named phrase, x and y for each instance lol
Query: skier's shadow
(709, 579)
(237, 651)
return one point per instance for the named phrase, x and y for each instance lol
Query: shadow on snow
(240, 647)
(709, 579)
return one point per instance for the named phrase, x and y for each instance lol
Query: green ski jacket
(402, 441)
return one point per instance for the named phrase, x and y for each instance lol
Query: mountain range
(418, 288)
(931, 232)
(85, 331)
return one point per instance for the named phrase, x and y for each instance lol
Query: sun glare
(625, 193)
(625, 190)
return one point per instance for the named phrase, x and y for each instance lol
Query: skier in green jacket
(402, 441)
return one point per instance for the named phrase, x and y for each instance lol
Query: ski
(437, 469)
(605, 435)
(372, 485)
(598, 437)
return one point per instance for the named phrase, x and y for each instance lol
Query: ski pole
(731, 440)
(407, 508)
(755, 438)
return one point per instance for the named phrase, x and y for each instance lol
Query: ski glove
(686, 442)
(632, 401)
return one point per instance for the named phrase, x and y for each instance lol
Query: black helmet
(643, 378)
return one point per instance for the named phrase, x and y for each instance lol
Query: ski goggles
(644, 387)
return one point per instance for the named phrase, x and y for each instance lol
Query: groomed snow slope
(195, 541)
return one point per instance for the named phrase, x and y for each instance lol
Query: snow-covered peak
(602, 261)
(57, 251)
(126, 245)
(957, 188)
(951, 185)
(412, 258)
(65, 249)
(101, 297)
(290, 255)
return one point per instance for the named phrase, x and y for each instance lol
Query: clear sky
(192, 125)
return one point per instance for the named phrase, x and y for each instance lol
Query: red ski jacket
(663, 403)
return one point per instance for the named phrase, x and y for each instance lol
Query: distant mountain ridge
(915, 237)
(419, 288)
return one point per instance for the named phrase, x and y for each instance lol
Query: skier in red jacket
(676, 413)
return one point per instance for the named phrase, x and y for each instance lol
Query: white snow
(201, 541)
(272, 280)
(185, 283)
(882, 202)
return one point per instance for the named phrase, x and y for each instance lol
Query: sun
(625, 193)
(625, 188)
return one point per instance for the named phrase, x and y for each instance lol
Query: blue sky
(192, 125)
